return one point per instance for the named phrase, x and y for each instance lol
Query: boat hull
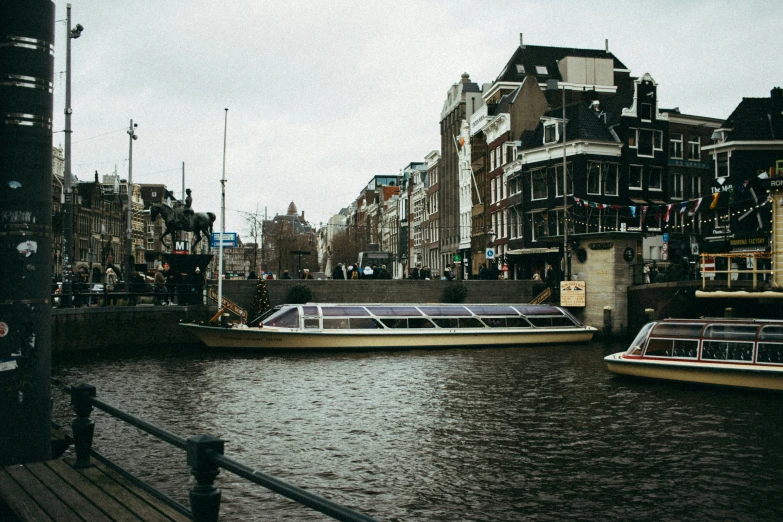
(281, 339)
(720, 374)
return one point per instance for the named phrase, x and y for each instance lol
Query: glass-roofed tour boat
(383, 326)
(745, 353)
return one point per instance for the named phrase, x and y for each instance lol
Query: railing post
(204, 497)
(83, 427)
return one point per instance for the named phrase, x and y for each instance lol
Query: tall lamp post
(554, 85)
(67, 274)
(129, 257)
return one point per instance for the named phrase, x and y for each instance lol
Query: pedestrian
(425, 273)
(270, 276)
(252, 275)
(110, 284)
(197, 281)
(549, 276)
(483, 272)
(355, 274)
(536, 276)
(159, 288)
(646, 272)
(171, 285)
(285, 275)
(307, 274)
(415, 272)
(338, 273)
(368, 272)
(494, 272)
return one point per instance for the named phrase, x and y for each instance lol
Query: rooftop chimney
(521, 41)
(606, 45)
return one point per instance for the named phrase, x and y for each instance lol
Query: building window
(675, 146)
(656, 177)
(635, 177)
(541, 69)
(538, 184)
(491, 161)
(611, 178)
(632, 138)
(558, 174)
(695, 187)
(150, 244)
(676, 180)
(497, 157)
(505, 155)
(646, 111)
(550, 133)
(520, 68)
(593, 177)
(722, 165)
(694, 148)
(493, 194)
(649, 141)
(539, 224)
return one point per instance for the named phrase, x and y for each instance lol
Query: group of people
(357, 272)
(184, 288)
(652, 274)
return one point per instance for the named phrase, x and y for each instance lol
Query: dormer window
(550, 133)
(541, 69)
(520, 69)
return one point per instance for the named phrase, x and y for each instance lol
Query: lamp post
(555, 85)
(130, 260)
(68, 181)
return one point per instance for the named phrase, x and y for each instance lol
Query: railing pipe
(166, 436)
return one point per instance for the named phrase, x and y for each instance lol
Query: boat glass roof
(435, 311)
(394, 310)
(539, 310)
(731, 331)
(771, 333)
(493, 310)
(677, 330)
(354, 311)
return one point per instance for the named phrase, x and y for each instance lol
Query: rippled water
(542, 433)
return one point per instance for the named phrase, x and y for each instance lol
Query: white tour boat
(745, 353)
(352, 326)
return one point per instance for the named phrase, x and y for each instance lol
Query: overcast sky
(324, 95)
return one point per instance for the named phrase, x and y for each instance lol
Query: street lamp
(553, 85)
(130, 259)
(68, 204)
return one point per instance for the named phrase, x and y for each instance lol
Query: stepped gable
(530, 56)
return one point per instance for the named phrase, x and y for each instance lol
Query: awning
(640, 201)
(529, 251)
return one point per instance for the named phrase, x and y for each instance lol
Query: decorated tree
(260, 300)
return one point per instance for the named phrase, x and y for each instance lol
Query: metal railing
(754, 272)
(126, 294)
(205, 456)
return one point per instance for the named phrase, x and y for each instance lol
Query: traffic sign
(229, 239)
(490, 254)
(665, 237)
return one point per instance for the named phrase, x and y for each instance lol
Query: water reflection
(494, 434)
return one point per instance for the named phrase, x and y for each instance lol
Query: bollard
(649, 315)
(204, 497)
(607, 320)
(728, 312)
(83, 427)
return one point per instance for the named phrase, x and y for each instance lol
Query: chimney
(303, 219)
(776, 95)
(96, 176)
(521, 41)
(606, 45)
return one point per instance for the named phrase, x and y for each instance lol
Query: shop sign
(606, 245)
(749, 242)
(572, 293)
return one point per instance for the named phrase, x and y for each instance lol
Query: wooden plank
(160, 505)
(22, 504)
(96, 495)
(73, 498)
(125, 497)
(48, 501)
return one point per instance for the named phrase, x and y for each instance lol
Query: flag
(715, 198)
(633, 212)
(684, 206)
(668, 211)
(695, 206)
(644, 212)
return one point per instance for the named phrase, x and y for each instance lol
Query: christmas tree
(260, 301)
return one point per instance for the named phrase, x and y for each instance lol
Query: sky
(322, 96)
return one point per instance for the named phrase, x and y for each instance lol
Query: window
(540, 224)
(695, 187)
(694, 148)
(550, 133)
(520, 68)
(656, 176)
(593, 177)
(538, 184)
(493, 194)
(646, 111)
(635, 176)
(722, 165)
(558, 175)
(497, 157)
(505, 155)
(676, 190)
(611, 178)
(675, 146)
(632, 138)
(649, 141)
(492, 160)
(541, 69)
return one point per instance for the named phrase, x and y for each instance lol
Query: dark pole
(27, 56)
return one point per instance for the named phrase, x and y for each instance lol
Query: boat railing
(712, 276)
(204, 454)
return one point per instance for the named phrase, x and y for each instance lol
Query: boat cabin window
(444, 310)
(470, 322)
(731, 331)
(332, 311)
(420, 322)
(395, 322)
(285, 318)
(494, 322)
(311, 318)
(550, 321)
(352, 323)
(683, 348)
(728, 342)
(641, 338)
(678, 330)
(394, 310)
(770, 349)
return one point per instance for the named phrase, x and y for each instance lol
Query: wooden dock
(56, 491)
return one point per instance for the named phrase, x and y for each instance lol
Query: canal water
(527, 433)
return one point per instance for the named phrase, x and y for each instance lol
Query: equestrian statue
(182, 217)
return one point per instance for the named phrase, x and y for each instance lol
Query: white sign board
(490, 254)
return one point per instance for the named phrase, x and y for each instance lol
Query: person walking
(338, 273)
(285, 275)
(307, 274)
(159, 288)
(110, 285)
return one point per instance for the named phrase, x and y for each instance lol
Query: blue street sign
(490, 253)
(665, 237)
(229, 240)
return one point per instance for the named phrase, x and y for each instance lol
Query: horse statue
(176, 219)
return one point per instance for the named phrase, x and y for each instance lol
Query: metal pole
(181, 236)
(222, 217)
(67, 254)
(566, 263)
(129, 257)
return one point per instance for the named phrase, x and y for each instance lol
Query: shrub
(455, 293)
(299, 294)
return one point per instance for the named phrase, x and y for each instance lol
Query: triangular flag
(696, 207)
(683, 206)
(715, 198)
